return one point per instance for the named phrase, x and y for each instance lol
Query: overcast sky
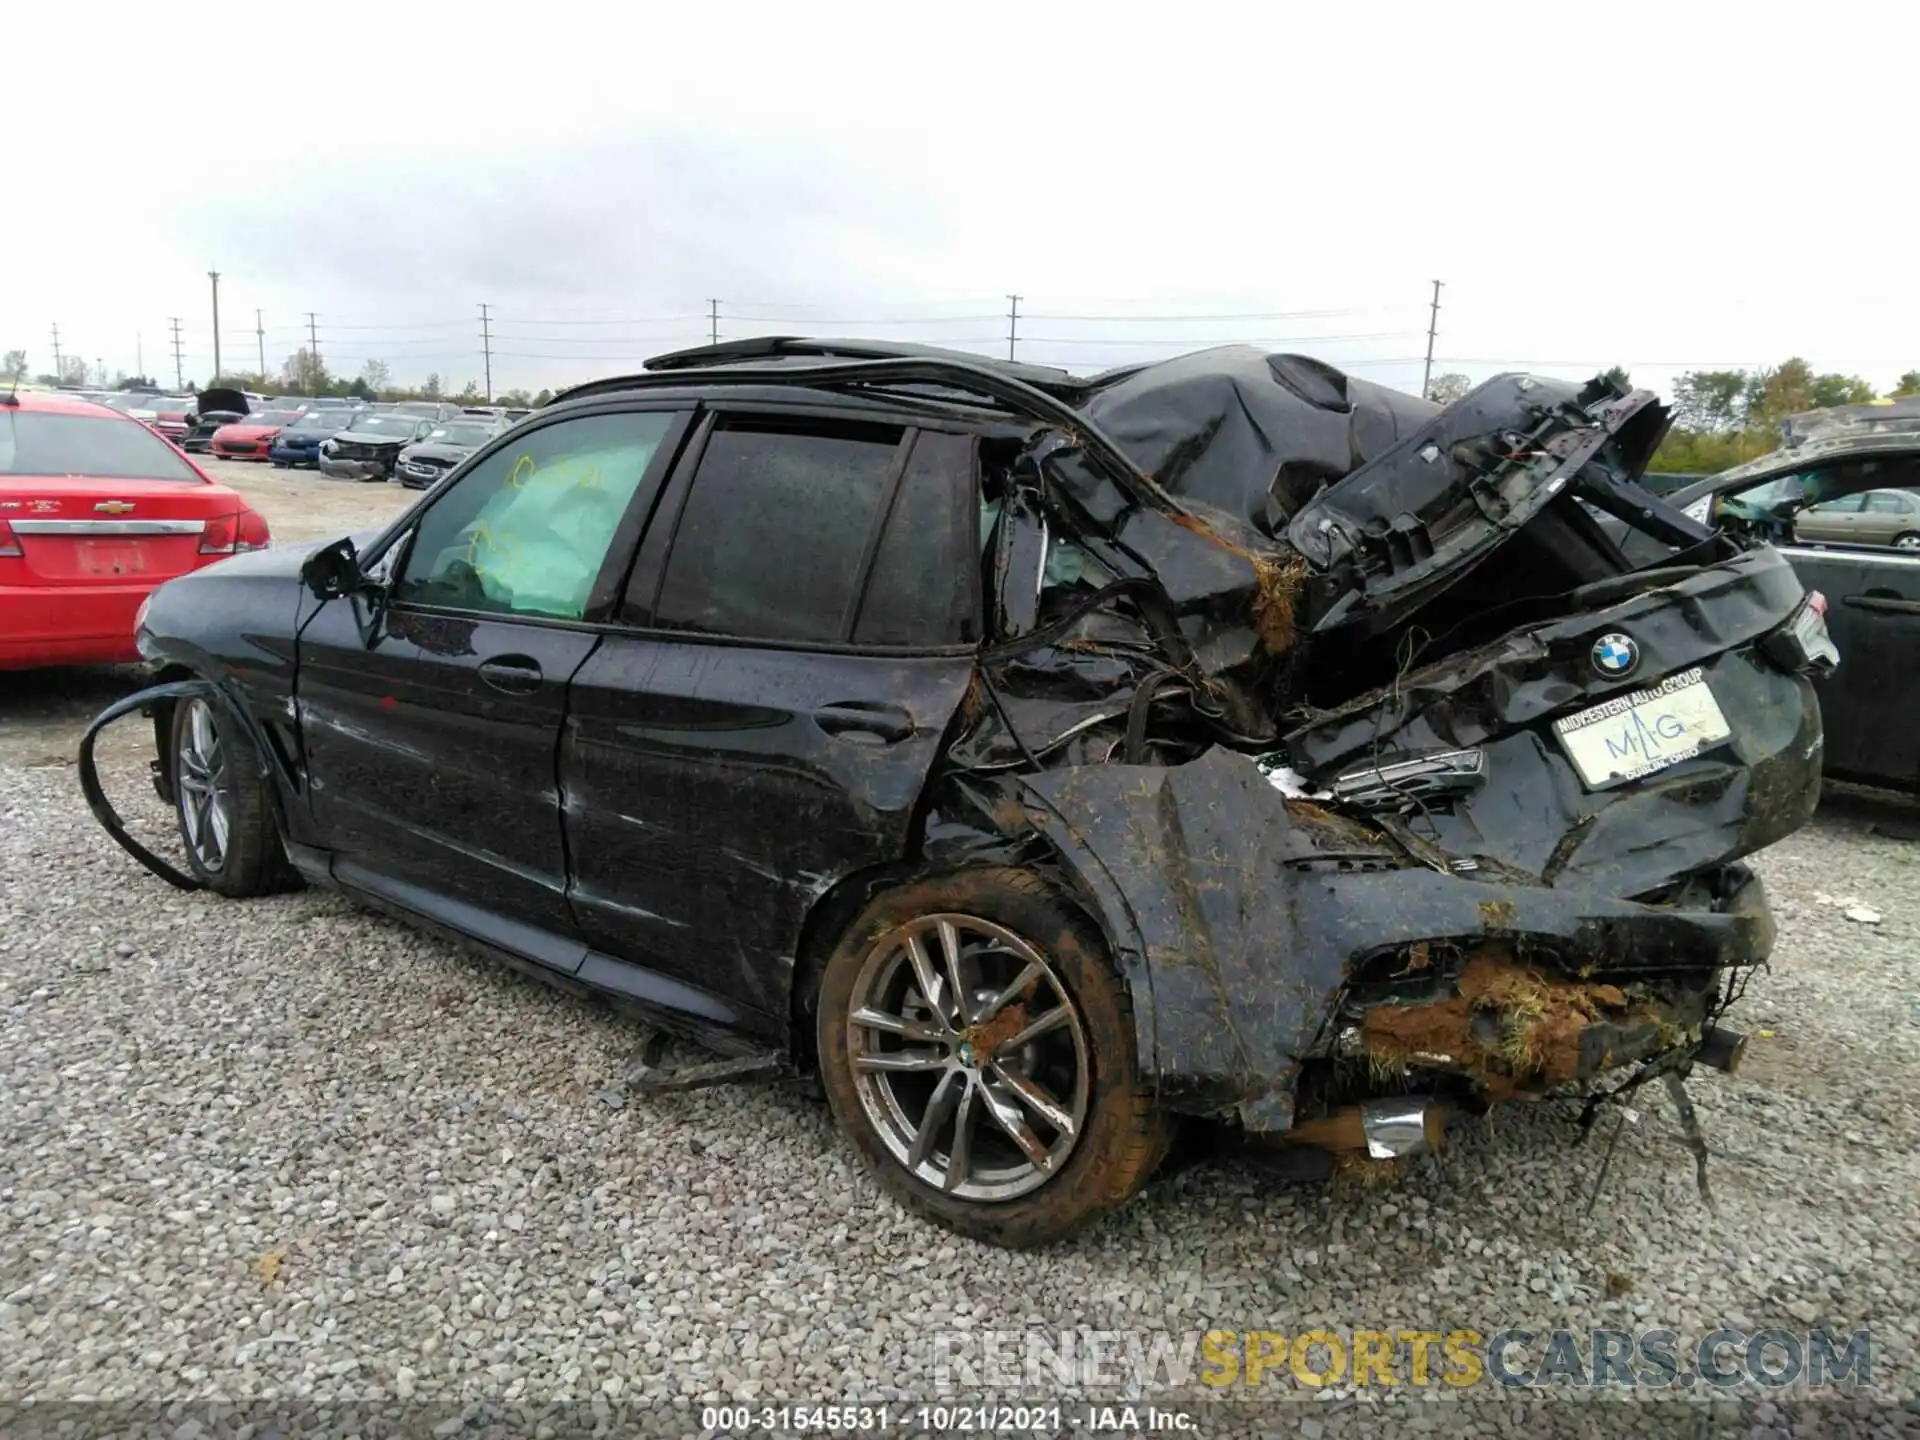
(1665, 187)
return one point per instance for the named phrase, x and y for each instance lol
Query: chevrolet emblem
(114, 507)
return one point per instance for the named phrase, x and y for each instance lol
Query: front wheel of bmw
(979, 1050)
(221, 803)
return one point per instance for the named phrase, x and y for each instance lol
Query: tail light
(234, 534)
(1802, 645)
(9, 546)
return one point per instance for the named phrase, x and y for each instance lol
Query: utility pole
(713, 322)
(140, 354)
(486, 345)
(1013, 323)
(1433, 329)
(58, 375)
(214, 276)
(179, 371)
(260, 334)
(313, 352)
(100, 364)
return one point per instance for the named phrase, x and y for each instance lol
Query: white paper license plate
(1636, 734)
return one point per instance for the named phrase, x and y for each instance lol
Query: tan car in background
(1876, 517)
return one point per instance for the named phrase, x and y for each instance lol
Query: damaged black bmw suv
(1038, 759)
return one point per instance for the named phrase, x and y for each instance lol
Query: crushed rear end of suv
(1309, 758)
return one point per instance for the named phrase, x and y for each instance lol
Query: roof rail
(1049, 378)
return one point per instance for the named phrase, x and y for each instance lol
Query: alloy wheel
(200, 781)
(969, 1056)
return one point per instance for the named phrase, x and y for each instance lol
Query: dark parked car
(211, 410)
(429, 458)
(299, 441)
(369, 448)
(1841, 500)
(1038, 760)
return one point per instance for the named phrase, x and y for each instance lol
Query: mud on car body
(1038, 759)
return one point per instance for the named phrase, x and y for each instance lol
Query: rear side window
(34, 442)
(921, 591)
(773, 536)
(1885, 502)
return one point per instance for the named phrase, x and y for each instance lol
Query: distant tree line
(1724, 418)
(1727, 417)
(304, 373)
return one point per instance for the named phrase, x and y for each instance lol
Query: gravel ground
(286, 1150)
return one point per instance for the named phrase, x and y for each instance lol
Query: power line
(647, 320)
(1205, 344)
(1221, 315)
(424, 325)
(870, 320)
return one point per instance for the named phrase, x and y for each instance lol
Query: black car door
(1867, 704)
(797, 634)
(431, 723)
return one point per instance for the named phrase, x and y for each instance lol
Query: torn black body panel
(1251, 435)
(1242, 916)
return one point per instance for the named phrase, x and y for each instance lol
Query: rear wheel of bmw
(979, 1050)
(224, 811)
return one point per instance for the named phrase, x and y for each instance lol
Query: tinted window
(527, 531)
(1885, 502)
(33, 442)
(770, 542)
(921, 588)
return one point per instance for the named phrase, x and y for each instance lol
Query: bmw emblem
(1615, 655)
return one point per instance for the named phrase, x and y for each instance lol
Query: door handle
(864, 722)
(1885, 604)
(512, 674)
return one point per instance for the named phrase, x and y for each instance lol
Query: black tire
(1121, 1135)
(280, 465)
(249, 859)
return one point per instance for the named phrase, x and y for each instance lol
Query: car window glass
(770, 542)
(1846, 503)
(919, 592)
(1885, 502)
(527, 530)
(100, 447)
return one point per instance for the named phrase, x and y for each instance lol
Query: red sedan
(249, 439)
(95, 511)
